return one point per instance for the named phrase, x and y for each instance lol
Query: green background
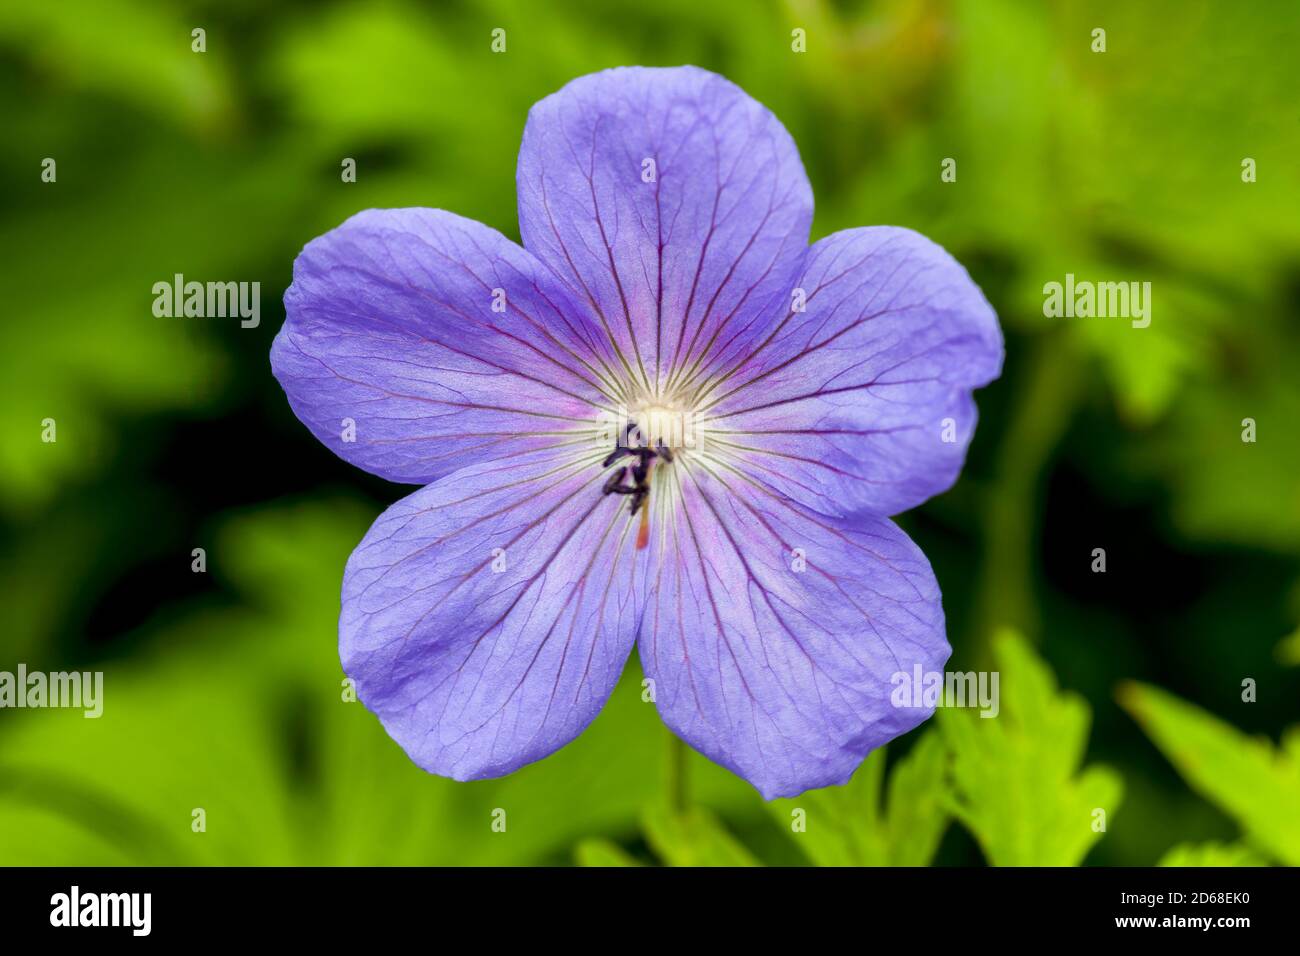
(1121, 692)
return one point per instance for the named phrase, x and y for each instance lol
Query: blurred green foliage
(1016, 777)
(223, 689)
(1255, 783)
(849, 826)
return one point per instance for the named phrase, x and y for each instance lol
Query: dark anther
(612, 483)
(641, 470)
(639, 486)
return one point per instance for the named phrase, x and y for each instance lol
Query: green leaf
(1211, 854)
(693, 837)
(847, 826)
(1255, 783)
(916, 809)
(1017, 780)
(839, 826)
(596, 852)
(38, 836)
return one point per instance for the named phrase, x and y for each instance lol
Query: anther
(615, 455)
(638, 486)
(613, 481)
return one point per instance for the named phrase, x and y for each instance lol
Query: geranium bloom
(665, 421)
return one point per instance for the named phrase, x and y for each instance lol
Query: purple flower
(665, 421)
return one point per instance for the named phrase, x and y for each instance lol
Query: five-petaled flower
(665, 421)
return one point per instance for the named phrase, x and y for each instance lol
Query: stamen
(638, 486)
(615, 455)
(643, 533)
(612, 482)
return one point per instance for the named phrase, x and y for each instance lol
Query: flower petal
(487, 617)
(773, 633)
(393, 354)
(862, 402)
(669, 201)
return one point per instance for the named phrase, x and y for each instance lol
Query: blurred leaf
(1017, 776)
(1211, 854)
(33, 835)
(693, 837)
(840, 826)
(1112, 144)
(366, 72)
(847, 826)
(1288, 652)
(602, 853)
(87, 347)
(917, 808)
(190, 735)
(137, 51)
(1201, 453)
(1255, 783)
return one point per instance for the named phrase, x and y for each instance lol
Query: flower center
(649, 435)
(634, 478)
(660, 426)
